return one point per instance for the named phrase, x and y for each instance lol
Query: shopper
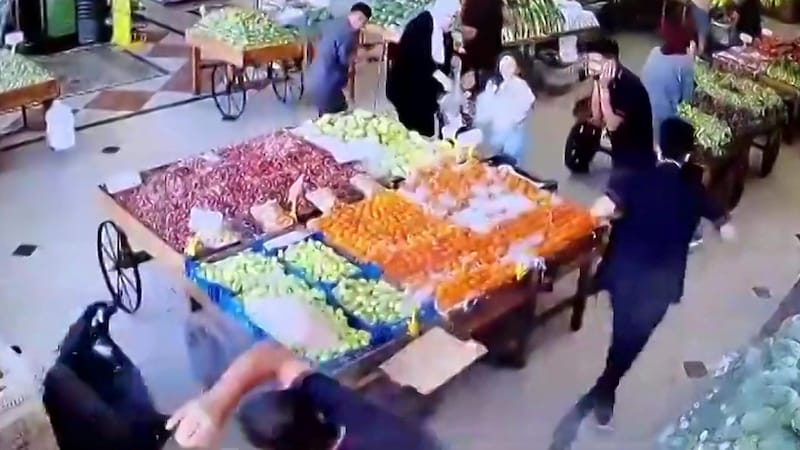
(312, 412)
(482, 26)
(657, 211)
(702, 21)
(620, 104)
(418, 74)
(747, 18)
(328, 74)
(503, 108)
(668, 72)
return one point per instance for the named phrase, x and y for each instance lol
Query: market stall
(248, 49)
(23, 84)
(483, 264)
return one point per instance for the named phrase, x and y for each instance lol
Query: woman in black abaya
(418, 72)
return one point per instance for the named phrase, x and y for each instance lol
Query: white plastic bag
(60, 127)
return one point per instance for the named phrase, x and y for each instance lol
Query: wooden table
(35, 94)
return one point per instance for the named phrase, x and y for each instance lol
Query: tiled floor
(48, 199)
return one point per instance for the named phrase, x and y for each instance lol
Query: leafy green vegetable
(17, 72)
(711, 134)
(786, 71)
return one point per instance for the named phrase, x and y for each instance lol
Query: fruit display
(741, 101)
(395, 13)
(770, 4)
(318, 261)
(261, 283)
(243, 28)
(776, 48)
(785, 71)
(421, 250)
(373, 301)
(406, 150)
(17, 72)
(755, 404)
(531, 19)
(231, 181)
(711, 134)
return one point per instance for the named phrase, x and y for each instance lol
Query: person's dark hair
(363, 8)
(604, 46)
(496, 77)
(676, 139)
(286, 420)
(674, 13)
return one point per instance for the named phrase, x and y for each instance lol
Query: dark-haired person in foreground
(620, 104)
(314, 412)
(332, 57)
(654, 213)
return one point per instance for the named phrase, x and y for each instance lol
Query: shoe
(603, 411)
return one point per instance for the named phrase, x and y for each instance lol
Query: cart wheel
(256, 78)
(119, 266)
(583, 141)
(770, 153)
(228, 91)
(287, 80)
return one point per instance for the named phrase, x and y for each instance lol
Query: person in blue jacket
(327, 76)
(311, 412)
(654, 213)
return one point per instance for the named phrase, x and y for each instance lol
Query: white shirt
(504, 107)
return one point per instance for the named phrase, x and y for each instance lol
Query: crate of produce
(23, 82)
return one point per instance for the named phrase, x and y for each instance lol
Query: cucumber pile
(785, 70)
(17, 72)
(395, 13)
(710, 133)
(243, 28)
(531, 19)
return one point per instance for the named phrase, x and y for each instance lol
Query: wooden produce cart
(791, 96)
(24, 97)
(236, 70)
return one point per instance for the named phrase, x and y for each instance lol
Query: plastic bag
(366, 185)
(271, 217)
(94, 386)
(324, 199)
(60, 126)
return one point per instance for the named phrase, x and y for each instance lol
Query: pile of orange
(420, 250)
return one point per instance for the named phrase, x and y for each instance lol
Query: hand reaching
(197, 424)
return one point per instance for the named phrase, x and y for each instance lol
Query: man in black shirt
(620, 104)
(311, 412)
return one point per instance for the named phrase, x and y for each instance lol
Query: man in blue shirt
(327, 76)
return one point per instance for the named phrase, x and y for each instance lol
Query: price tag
(521, 271)
(413, 324)
(193, 247)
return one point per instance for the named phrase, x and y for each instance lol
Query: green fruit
(17, 72)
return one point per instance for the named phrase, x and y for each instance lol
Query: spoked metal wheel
(228, 91)
(256, 77)
(119, 266)
(769, 154)
(287, 80)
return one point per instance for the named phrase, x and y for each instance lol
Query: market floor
(48, 200)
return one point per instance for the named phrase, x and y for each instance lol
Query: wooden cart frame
(25, 97)
(234, 71)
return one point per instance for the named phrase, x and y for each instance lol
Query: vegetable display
(530, 19)
(243, 28)
(232, 181)
(777, 48)
(395, 13)
(374, 301)
(755, 405)
(17, 72)
(318, 261)
(786, 71)
(711, 134)
(259, 281)
(741, 101)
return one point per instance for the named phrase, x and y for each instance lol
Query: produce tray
(29, 95)
(215, 49)
(382, 332)
(782, 88)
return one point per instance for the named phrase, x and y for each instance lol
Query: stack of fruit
(531, 19)
(776, 48)
(258, 280)
(786, 71)
(243, 28)
(318, 262)
(17, 72)
(711, 134)
(407, 150)
(395, 13)
(373, 301)
(742, 102)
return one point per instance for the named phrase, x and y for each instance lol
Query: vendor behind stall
(417, 76)
(482, 27)
(313, 412)
(655, 213)
(747, 18)
(333, 54)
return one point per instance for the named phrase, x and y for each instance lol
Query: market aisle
(48, 200)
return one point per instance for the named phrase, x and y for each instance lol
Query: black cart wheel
(228, 91)
(769, 154)
(583, 142)
(119, 266)
(287, 78)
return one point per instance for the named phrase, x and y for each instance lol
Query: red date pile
(231, 180)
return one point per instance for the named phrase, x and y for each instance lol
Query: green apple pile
(374, 301)
(395, 13)
(408, 150)
(17, 71)
(319, 261)
(242, 272)
(243, 28)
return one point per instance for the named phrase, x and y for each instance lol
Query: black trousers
(636, 316)
(332, 103)
(417, 119)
